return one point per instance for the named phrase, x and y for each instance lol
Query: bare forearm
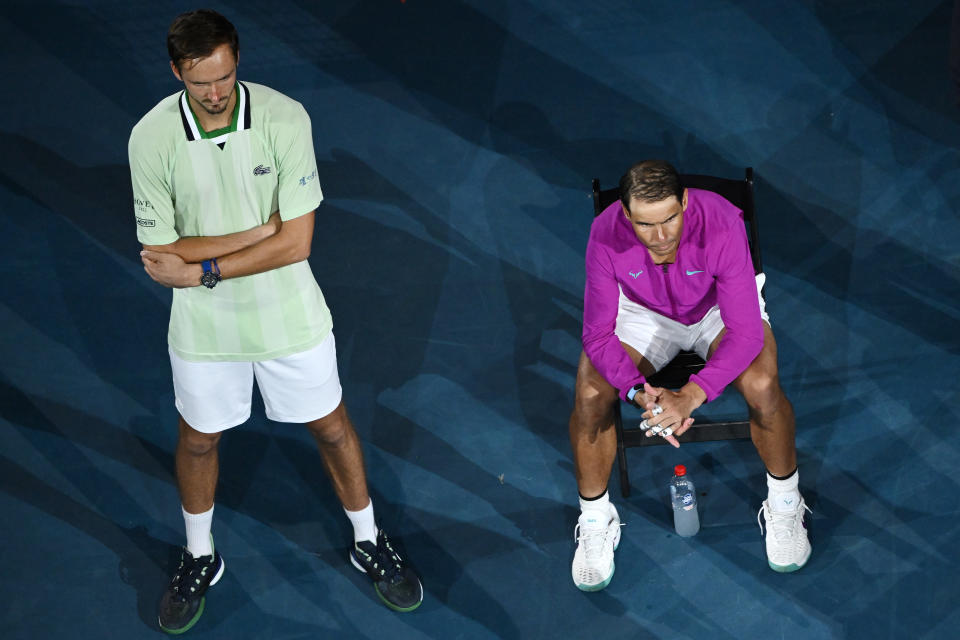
(291, 244)
(200, 248)
(194, 249)
(263, 256)
(272, 253)
(288, 245)
(696, 394)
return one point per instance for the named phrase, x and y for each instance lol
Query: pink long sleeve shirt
(712, 267)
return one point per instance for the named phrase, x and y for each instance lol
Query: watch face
(209, 279)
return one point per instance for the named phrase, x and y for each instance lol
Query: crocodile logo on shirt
(261, 170)
(635, 273)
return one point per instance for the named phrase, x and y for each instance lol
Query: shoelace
(782, 524)
(190, 574)
(593, 540)
(386, 562)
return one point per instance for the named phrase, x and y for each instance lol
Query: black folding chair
(676, 373)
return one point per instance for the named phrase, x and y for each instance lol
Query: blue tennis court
(456, 142)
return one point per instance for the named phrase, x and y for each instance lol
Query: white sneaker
(597, 538)
(788, 547)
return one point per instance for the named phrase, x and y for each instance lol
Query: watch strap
(632, 393)
(211, 273)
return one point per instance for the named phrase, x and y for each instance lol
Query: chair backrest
(738, 192)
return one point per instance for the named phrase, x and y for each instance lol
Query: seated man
(669, 269)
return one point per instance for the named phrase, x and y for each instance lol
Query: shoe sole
(613, 568)
(203, 602)
(601, 586)
(790, 568)
(356, 565)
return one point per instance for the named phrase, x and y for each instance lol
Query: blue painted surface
(456, 142)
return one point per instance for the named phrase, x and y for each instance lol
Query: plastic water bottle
(683, 494)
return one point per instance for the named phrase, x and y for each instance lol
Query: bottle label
(687, 500)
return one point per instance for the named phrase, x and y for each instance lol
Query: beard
(216, 110)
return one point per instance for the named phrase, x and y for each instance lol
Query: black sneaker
(182, 605)
(397, 585)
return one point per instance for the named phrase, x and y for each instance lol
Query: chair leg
(621, 452)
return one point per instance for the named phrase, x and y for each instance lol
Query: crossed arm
(271, 245)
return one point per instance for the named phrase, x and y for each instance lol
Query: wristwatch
(211, 273)
(632, 394)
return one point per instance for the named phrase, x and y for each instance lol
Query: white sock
(364, 526)
(783, 495)
(198, 532)
(601, 504)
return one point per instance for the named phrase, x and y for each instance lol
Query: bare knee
(197, 443)
(762, 392)
(594, 400)
(332, 429)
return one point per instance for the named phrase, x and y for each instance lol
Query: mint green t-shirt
(186, 183)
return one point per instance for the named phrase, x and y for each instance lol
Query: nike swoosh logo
(692, 273)
(635, 274)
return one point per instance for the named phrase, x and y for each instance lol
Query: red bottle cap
(680, 470)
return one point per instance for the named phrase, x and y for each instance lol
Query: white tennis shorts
(215, 396)
(659, 339)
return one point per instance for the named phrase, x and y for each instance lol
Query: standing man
(225, 187)
(669, 269)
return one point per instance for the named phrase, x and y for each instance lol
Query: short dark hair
(650, 181)
(196, 34)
